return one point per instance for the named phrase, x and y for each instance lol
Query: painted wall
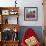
(26, 3)
(31, 3)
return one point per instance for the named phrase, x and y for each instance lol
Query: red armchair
(28, 34)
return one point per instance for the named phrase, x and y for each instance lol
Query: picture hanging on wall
(30, 13)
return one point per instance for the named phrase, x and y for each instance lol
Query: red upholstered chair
(29, 33)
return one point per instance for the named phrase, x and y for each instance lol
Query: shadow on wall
(37, 29)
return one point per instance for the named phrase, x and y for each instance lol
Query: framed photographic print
(31, 13)
(5, 12)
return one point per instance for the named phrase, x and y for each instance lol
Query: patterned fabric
(28, 34)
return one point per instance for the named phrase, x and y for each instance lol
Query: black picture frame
(30, 13)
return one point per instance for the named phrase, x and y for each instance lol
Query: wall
(26, 3)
